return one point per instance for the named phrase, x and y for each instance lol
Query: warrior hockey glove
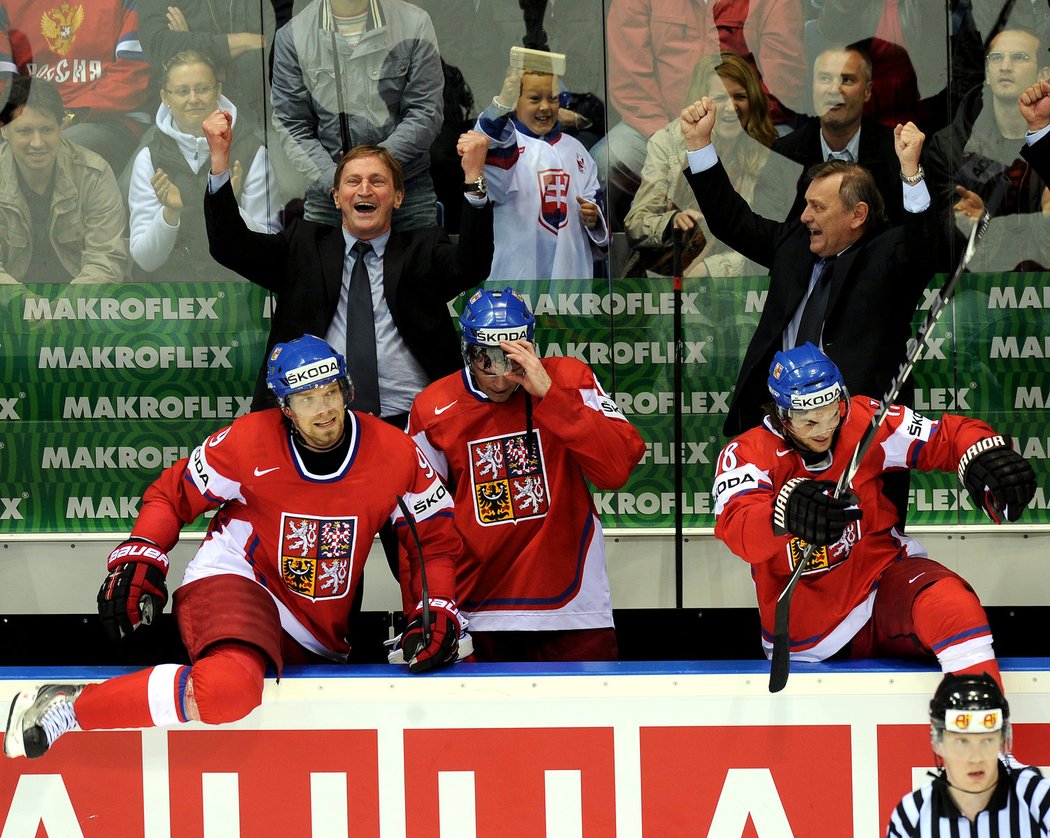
(807, 509)
(134, 592)
(443, 646)
(1000, 481)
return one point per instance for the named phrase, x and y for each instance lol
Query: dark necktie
(812, 321)
(361, 335)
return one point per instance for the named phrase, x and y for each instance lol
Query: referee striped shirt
(1019, 808)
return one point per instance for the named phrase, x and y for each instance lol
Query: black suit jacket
(1039, 156)
(303, 266)
(876, 153)
(876, 286)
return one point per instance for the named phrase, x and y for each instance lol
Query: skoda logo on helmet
(302, 376)
(811, 401)
(492, 337)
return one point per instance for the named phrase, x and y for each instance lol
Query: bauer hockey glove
(443, 647)
(1000, 481)
(134, 593)
(807, 509)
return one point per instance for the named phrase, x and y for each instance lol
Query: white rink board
(656, 750)
(641, 569)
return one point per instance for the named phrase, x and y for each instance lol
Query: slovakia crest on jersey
(554, 199)
(510, 483)
(317, 555)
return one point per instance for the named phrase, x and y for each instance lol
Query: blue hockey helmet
(488, 318)
(803, 379)
(305, 363)
(492, 316)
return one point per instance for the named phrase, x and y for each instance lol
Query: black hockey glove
(1000, 481)
(443, 646)
(134, 593)
(806, 508)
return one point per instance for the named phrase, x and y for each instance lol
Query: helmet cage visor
(311, 400)
(488, 361)
(815, 423)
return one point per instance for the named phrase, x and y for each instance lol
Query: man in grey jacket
(354, 72)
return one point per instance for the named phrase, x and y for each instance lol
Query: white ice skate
(38, 717)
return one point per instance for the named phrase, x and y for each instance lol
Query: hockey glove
(134, 593)
(1000, 481)
(443, 646)
(807, 509)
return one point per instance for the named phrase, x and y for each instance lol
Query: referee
(981, 791)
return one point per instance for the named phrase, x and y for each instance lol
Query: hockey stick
(780, 665)
(424, 588)
(679, 564)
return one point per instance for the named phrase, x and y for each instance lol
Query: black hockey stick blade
(780, 665)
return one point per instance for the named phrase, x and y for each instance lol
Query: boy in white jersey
(548, 218)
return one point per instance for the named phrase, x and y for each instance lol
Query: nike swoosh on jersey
(783, 453)
(259, 473)
(916, 577)
(439, 410)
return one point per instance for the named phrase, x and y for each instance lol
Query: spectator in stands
(359, 72)
(841, 85)
(1034, 105)
(980, 789)
(977, 156)
(548, 217)
(233, 33)
(868, 590)
(170, 175)
(908, 41)
(654, 46)
(61, 216)
(664, 203)
(519, 438)
(91, 52)
(298, 493)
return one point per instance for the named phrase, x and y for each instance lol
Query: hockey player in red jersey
(299, 493)
(870, 590)
(518, 437)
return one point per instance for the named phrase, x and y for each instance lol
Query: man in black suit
(310, 267)
(1034, 104)
(875, 275)
(842, 82)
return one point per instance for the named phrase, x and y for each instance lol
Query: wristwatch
(911, 180)
(477, 187)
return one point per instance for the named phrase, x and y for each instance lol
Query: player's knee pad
(950, 621)
(228, 683)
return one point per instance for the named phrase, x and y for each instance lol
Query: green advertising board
(103, 386)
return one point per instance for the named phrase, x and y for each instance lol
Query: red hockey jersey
(304, 537)
(834, 598)
(534, 555)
